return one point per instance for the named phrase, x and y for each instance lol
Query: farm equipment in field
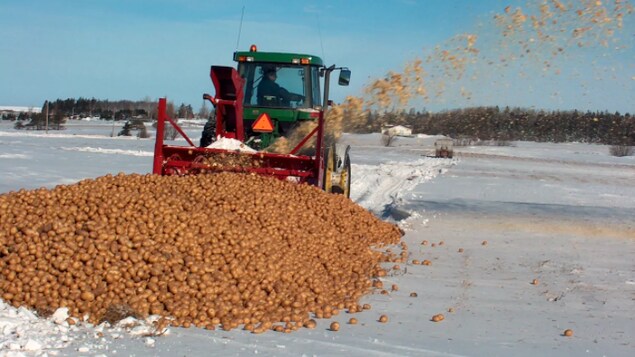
(256, 116)
(443, 148)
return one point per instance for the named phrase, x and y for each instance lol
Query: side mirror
(345, 77)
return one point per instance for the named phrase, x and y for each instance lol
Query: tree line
(480, 123)
(507, 124)
(62, 109)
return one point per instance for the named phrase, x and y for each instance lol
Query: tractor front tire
(207, 137)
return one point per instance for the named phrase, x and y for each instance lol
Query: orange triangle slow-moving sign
(263, 124)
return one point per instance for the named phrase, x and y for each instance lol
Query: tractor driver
(272, 94)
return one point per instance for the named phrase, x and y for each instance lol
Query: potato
(438, 318)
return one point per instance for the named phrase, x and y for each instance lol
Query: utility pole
(47, 116)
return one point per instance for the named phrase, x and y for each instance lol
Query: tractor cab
(285, 87)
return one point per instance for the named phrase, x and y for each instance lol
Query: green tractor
(292, 97)
(266, 97)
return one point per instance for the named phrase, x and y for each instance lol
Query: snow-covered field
(559, 213)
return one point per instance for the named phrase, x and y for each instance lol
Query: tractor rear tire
(329, 168)
(337, 177)
(345, 176)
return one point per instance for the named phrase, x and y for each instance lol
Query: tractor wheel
(345, 176)
(340, 175)
(329, 168)
(207, 136)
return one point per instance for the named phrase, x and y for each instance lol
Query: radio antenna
(320, 33)
(240, 27)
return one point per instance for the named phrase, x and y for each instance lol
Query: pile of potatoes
(222, 250)
(223, 161)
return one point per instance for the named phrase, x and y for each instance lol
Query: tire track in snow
(365, 347)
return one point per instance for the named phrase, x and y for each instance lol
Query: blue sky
(147, 49)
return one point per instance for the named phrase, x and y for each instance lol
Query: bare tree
(387, 138)
(170, 110)
(204, 111)
(143, 133)
(621, 150)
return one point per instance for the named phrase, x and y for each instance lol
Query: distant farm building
(396, 130)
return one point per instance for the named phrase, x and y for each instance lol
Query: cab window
(301, 82)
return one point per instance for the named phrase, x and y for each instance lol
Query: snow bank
(14, 156)
(109, 151)
(191, 122)
(23, 333)
(385, 184)
(58, 135)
